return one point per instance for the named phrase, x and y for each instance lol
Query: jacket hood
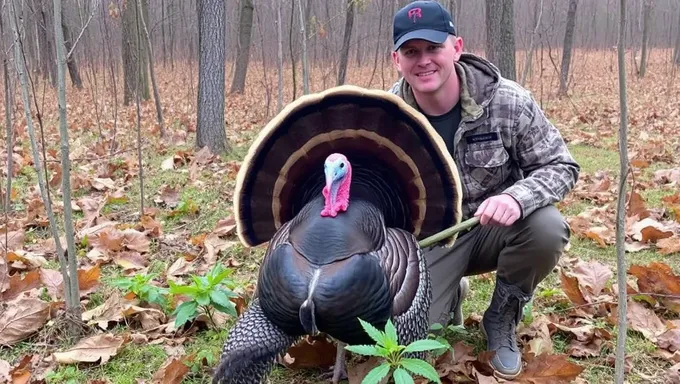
(479, 80)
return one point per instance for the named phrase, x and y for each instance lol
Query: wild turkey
(391, 181)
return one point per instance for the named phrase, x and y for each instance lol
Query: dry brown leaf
(172, 371)
(592, 277)
(19, 284)
(571, 288)
(168, 163)
(168, 196)
(136, 241)
(669, 340)
(213, 246)
(88, 279)
(15, 240)
(310, 352)
(669, 245)
(653, 235)
(99, 347)
(131, 261)
(644, 320)
(22, 318)
(548, 368)
(53, 281)
(356, 373)
(225, 227)
(101, 184)
(667, 176)
(580, 349)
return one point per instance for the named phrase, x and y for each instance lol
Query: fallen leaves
(99, 347)
(21, 318)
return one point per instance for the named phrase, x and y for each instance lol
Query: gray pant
(522, 254)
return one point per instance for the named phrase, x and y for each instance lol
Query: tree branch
(75, 43)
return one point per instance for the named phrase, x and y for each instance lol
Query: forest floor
(568, 332)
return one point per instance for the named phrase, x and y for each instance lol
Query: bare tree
(538, 12)
(344, 53)
(280, 54)
(676, 49)
(131, 32)
(646, 19)
(73, 305)
(500, 36)
(211, 37)
(621, 205)
(244, 34)
(567, 46)
(305, 69)
(149, 51)
(71, 62)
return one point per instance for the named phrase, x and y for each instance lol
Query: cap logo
(415, 13)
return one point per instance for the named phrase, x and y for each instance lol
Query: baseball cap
(426, 20)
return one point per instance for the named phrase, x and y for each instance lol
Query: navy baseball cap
(427, 20)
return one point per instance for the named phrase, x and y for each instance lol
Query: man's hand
(501, 210)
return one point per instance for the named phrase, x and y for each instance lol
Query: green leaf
(223, 303)
(373, 332)
(366, 350)
(185, 312)
(423, 345)
(436, 327)
(402, 377)
(377, 374)
(203, 298)
(421, 368)
(183, 289)
(391, 332)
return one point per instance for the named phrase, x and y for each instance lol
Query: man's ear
(395, 60)
(457, 46)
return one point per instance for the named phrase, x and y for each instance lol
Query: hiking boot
(499, 324)
(463, 290)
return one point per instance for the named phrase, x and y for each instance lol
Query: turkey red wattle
(338, 179)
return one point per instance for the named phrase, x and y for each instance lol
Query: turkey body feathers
(326, 274)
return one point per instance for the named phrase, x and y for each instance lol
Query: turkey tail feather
(308, 318)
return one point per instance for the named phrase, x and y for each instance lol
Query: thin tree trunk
(8, 122)
(238, 83)
(303, 33)
(620, 210)
(377, 44)
(163, 26)
(23, 78)
(500, 36)
(264, 60)
(344, 53)
(280, 55)
(538, 13)
(156, 94)
(71, 60)
(211, 44)
(71, 257)
(567, 47)
(676, 49)
(645, 35)
(290, 46)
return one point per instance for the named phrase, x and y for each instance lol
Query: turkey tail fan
(399, 163)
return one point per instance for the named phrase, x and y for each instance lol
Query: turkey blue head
(338, 173)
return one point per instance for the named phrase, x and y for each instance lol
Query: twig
(585, 305)
(75, 43)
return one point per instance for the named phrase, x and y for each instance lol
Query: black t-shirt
(447, 124)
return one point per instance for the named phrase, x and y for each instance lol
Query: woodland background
(157, 112)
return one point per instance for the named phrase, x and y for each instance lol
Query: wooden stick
(469, 223)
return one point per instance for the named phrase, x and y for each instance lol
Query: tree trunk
(243, 56)
(156, 94)
(538, 12)
(646, 19)
(621, 207)
(290, 48)
(163, 27)
(46, 42)
(279, 36)
(303, 33)
(567, 46)
(71, 258)
(500, 36)
(676, 49)
(211, 45)
(132, 32)
(344, 53)
(71, 60)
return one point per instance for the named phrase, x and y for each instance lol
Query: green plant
(388, 348)
(206, 292)
(141, 287)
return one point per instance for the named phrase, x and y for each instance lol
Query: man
(513, 165)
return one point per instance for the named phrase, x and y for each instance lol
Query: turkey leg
(339, 369)
(250, 350)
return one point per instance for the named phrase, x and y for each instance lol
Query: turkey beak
(330, 175)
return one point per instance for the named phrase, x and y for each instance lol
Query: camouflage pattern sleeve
(550, 170)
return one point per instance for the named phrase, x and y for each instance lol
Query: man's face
(428, 66)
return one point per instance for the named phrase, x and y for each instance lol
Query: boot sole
(497, 373)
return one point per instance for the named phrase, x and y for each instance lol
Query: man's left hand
(500, 210)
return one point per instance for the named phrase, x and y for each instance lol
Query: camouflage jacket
(504, 143)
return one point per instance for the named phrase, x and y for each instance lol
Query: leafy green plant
(441, 334)
(205, 293)
(387, 346)
(140, 285)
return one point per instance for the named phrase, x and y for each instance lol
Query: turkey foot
(339, 371)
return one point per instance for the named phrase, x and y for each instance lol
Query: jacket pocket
(487, 166)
